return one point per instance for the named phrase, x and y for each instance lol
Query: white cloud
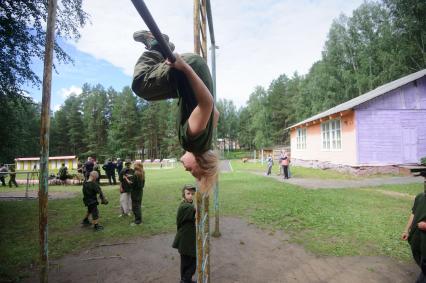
(258, 39)
(65, 92)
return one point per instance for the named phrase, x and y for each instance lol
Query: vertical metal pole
(44, 141)
(206, 239)
(28, 181)
(198, 199)
(216, 232)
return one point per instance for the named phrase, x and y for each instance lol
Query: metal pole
(198, 199)
(216, 232)
(44, 141)
(153, 27)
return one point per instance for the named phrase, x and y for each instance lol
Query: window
(331, 135)
(301, 139)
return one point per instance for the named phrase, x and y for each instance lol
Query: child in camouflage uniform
(185, 236)
(90, 191)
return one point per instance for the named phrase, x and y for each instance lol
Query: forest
(381, 41)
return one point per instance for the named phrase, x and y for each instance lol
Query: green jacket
(90, 192)
(155, 80)
(130, 174)
(185, 236)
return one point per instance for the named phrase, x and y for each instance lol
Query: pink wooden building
(386, 126)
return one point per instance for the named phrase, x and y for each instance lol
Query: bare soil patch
(14, 195)
(244, 253)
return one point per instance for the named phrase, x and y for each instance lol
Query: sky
(258, 41)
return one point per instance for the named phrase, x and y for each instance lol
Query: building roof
(50, 158)
(365, 97)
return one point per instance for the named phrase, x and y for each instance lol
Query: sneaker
(147, 38)
(135, 224)
(98, 227)
(86, 222)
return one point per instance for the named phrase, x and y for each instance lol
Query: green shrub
(423, 160)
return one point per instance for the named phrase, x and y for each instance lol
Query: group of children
(131, 190)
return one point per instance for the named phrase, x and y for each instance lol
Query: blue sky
(69, 78)
(258, 41)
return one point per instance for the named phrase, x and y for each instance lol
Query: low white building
(55, 162)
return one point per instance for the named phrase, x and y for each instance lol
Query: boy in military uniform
(90, 191)
(184, 240)
(415, 233)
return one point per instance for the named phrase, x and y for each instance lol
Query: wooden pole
(44, 141)
(197, 26)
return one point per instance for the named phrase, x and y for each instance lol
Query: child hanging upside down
(189, 80)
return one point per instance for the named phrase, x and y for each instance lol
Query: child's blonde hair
(208, 163)
(94, 175)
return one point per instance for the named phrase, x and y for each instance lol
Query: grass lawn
(329, 222)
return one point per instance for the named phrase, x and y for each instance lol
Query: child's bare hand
(178, 64)
(422, 225)
(404, 236)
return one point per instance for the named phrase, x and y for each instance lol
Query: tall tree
(22, 38)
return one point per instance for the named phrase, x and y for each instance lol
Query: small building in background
(383, 127)
(55, 162)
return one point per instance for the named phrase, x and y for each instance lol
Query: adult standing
(119, 166)
(137, 192)
(270, 162)
(284, 164)
(88, 167)
(126, 178)
(12, 179)
(3, 174)
(109, 168)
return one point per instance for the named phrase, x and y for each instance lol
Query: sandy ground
(244, 253)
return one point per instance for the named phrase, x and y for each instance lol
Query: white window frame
(301, 138)
(331, 135)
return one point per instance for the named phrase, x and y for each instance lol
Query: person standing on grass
(12, 178)
(88, 167)
(415, 233)
(109, 168)
(137, 192)
(184, 240)
(3, 174)
(119, 166)
(126, 178)
(284, 164)
(270, 162)
(90, 191)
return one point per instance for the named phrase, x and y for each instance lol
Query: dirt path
(32, 194)
(342, 184)
(243, 253)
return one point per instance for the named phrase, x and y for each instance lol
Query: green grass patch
(328, 222)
